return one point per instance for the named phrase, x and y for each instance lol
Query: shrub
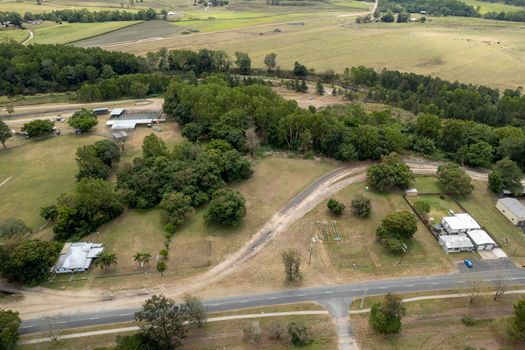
(227, 207)
(299, 334)
(164, 253)
(335, 206)
(467, 320)
(276, 330)
(361, 206)
(252, 332)
(422, 207)
(11, 227)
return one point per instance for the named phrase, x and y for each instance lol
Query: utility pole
(310, 250)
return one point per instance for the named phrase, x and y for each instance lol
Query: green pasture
(499, 6)
(13, 34)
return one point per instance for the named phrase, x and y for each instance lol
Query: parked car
(468, 263)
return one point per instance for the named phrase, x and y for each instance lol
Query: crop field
(464, 49)
(31, 6)
(499, 6)
(53, 33)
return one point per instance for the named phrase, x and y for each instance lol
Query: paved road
(323, 295)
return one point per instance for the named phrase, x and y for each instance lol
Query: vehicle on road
(468, 263)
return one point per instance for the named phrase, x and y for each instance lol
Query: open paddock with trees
(437, 324)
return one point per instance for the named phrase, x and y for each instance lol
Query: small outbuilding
(481, 240)
(100, 111)
(512, 209)
(77, 257)
(116, 112)
(412, 192)
(456, 243)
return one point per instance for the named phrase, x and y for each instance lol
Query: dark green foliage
(424, 145)
(292, 264)
(49, 213)
(92, 204)
(391, 172)
(5, 133)
(479, 154)
(299, 70)
(9, 324)
(108, 152)
(422, 207)
(439, 8)
(400, 225)
(454, 180)
(106, 261)
(226, 207)
(153, 147)
(29, 262)
(83, 120)
(11, 227)
(319, 88)
(243, 62)
(394, 245)
(299, 334)
(335, 206)
(175, 206)
(90, 166)
(428, 125)
(518, 323)
(388, 16)
(467, 320)
(385, 317)
(361, 206)
(38, 127)
(506, 175)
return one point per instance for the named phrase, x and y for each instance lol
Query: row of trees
(514, 16)
(438, 8)
(88, 16)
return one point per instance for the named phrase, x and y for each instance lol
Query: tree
(142, 258)
(277, 330)
(299, 70)
(83, 120)
(479, 154)
(388, 16)
(162, 322)
(506, 175)
(518, 322)
(175, 206)
(299, 334)
(292, 264)
(335, 206)
(389, 173)
(243, 62)
(422, 207)
(9, 324)
(106, 261)
(54, 326)
(319, 88)
(270, 61)
(161, 267)
(138, 90)
(361, 206)
(5, 133)
(500, 287)
(90, 166)
(377, 13)
(38, 127)
(194, 309)
(153, 147)
(474, 288)
(400, 226)
(107, 151)
(226, 207)
(252, 333)
(30, 262)
(454, 180)
(385, 317)
(11, 227)
(403, 17)
(428, 125)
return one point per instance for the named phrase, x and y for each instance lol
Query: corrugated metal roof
(514, 206)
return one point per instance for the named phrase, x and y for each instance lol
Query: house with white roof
(459, 223)
(481, 240)
(456, 243)
(77, 257)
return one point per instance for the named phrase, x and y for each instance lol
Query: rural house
(77, 257)
(456, 243)
(459, 223)
(513, 210)
(481, 240)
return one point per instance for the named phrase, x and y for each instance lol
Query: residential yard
(481, 204)
(436, 324)
(223, 334)
(439, 206)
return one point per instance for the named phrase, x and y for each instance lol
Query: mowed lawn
(13, 34)
(53, 33)
(40, 171)
(469, 50)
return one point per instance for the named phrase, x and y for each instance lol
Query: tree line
(87, 16)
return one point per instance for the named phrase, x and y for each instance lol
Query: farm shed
(116, 112)
(459, 223)
(513, 210)
(411, 192)
(481, 240)
(77, 257)
(456, 243)
(100, 111)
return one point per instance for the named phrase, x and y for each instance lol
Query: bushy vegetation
(95, 161)
(385, 317)
(38, 127)
(83, 120)
(335, 206)
(227, 207)
(87, 16)
(361, 206)
(438, 8)
(454, 180)
(391, 172)
(9, 324)
(12, 227)
(396, 230)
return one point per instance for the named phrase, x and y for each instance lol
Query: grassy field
(453, 48)
(499, 6)
(436, 324)
(53, 33)
(223, 335)
(438, 206)
(31, 6)
(13, 34)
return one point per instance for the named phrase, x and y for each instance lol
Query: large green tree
(391, 172)
(153, 146)
(38, 127)
(506, 175)
(243, 62)
(90, 165)
(385, 317)
(5, 133)
(454, 180)
(175, 206)
(29, 262)
(83, 120)
(518, 322)
(227, 207)
(9, 324)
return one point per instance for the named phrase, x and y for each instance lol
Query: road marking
(244, 301)
(5, 181)
(355, 290)
(28, 327)
(381, 287)
(125, 314)
(273, 298)
(94, 318)
(411, 285)
(214, 304)
(328, 292)
(301, 295)
(434, 283)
